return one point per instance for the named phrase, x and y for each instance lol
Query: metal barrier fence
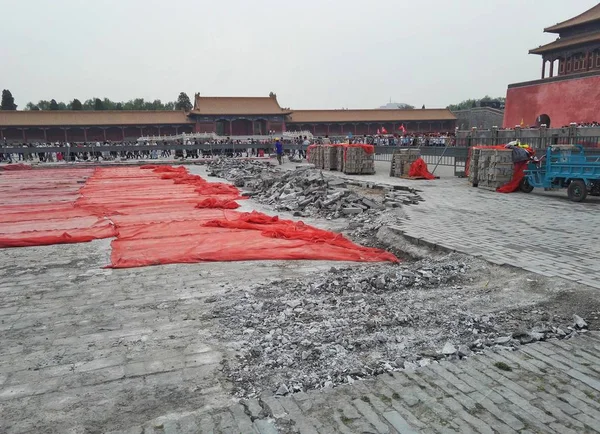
(452, 156)
(437, 156)
(538, 143)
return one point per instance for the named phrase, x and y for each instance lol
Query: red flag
(401, 128)
(378, 132)
(383, 130)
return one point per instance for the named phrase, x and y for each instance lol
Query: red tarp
(419, 169)
(159, 215)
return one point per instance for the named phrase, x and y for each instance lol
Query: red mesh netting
(419, 169)
(369, 149)
(159, 215)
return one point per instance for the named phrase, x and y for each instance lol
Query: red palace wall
(563, 100)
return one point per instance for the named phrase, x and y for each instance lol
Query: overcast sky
(312, 53)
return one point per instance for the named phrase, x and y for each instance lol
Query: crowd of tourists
(190, 149)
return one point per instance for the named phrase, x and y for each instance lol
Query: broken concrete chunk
(449, 349)
(579, 322)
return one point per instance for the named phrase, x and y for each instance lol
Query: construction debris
(352, 323)
(309, 192)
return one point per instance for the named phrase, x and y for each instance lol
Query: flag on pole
(383, 130)
(401, 128)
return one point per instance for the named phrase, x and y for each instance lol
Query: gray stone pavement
(85, 349)
(542, 232)
(549, 387)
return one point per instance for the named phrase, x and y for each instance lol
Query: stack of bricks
(402, 159)
(358, 161)
(330, 157)
(340, 158)
(474, 166)
(495, 168)
(315, 156)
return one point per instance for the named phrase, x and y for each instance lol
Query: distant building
(396, 106)
(569, 88)
(225, 116)
(479, 117)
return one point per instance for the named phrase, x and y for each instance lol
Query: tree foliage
(8, 102)
(107, 104)
(183, 102)
(76, 105)
(486, 101)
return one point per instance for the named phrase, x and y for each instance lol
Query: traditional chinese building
(84, 126)
(361, 122)
(238, 116)
(225, 116)
(569, 88)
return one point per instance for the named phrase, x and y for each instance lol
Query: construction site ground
(85, 349)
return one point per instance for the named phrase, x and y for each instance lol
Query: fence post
(572, 133)
(494, 134)
(543, 136)
(518, 132)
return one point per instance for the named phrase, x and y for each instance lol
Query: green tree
(183, 102)
(8, 102)
(170, 105)
(119, 106)
(108, 104)
(31, 106)
(486, 101)
(53, 105)
(76, 105)
(98, 104)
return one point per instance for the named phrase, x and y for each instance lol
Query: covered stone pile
(490, 168)
(309, 192)
(349, 159)
(402, 159)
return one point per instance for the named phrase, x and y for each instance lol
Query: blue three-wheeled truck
(565, 166)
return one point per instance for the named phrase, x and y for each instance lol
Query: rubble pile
(307, 192)
(352, 323)
(243, 173)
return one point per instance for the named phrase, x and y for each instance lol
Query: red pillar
(176, 131)
(104, 133)
(123, 133)
(355, 128)
(24, 135)
(158, 131)
(45, 134)
(141, 131)
(328, 129)
(368, 129)
(85, 134)
(231, 128)
(587, 61)
(66, 138)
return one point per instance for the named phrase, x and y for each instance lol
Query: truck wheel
(525, 186)
(577, 191)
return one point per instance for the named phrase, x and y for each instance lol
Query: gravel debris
(355, 322)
